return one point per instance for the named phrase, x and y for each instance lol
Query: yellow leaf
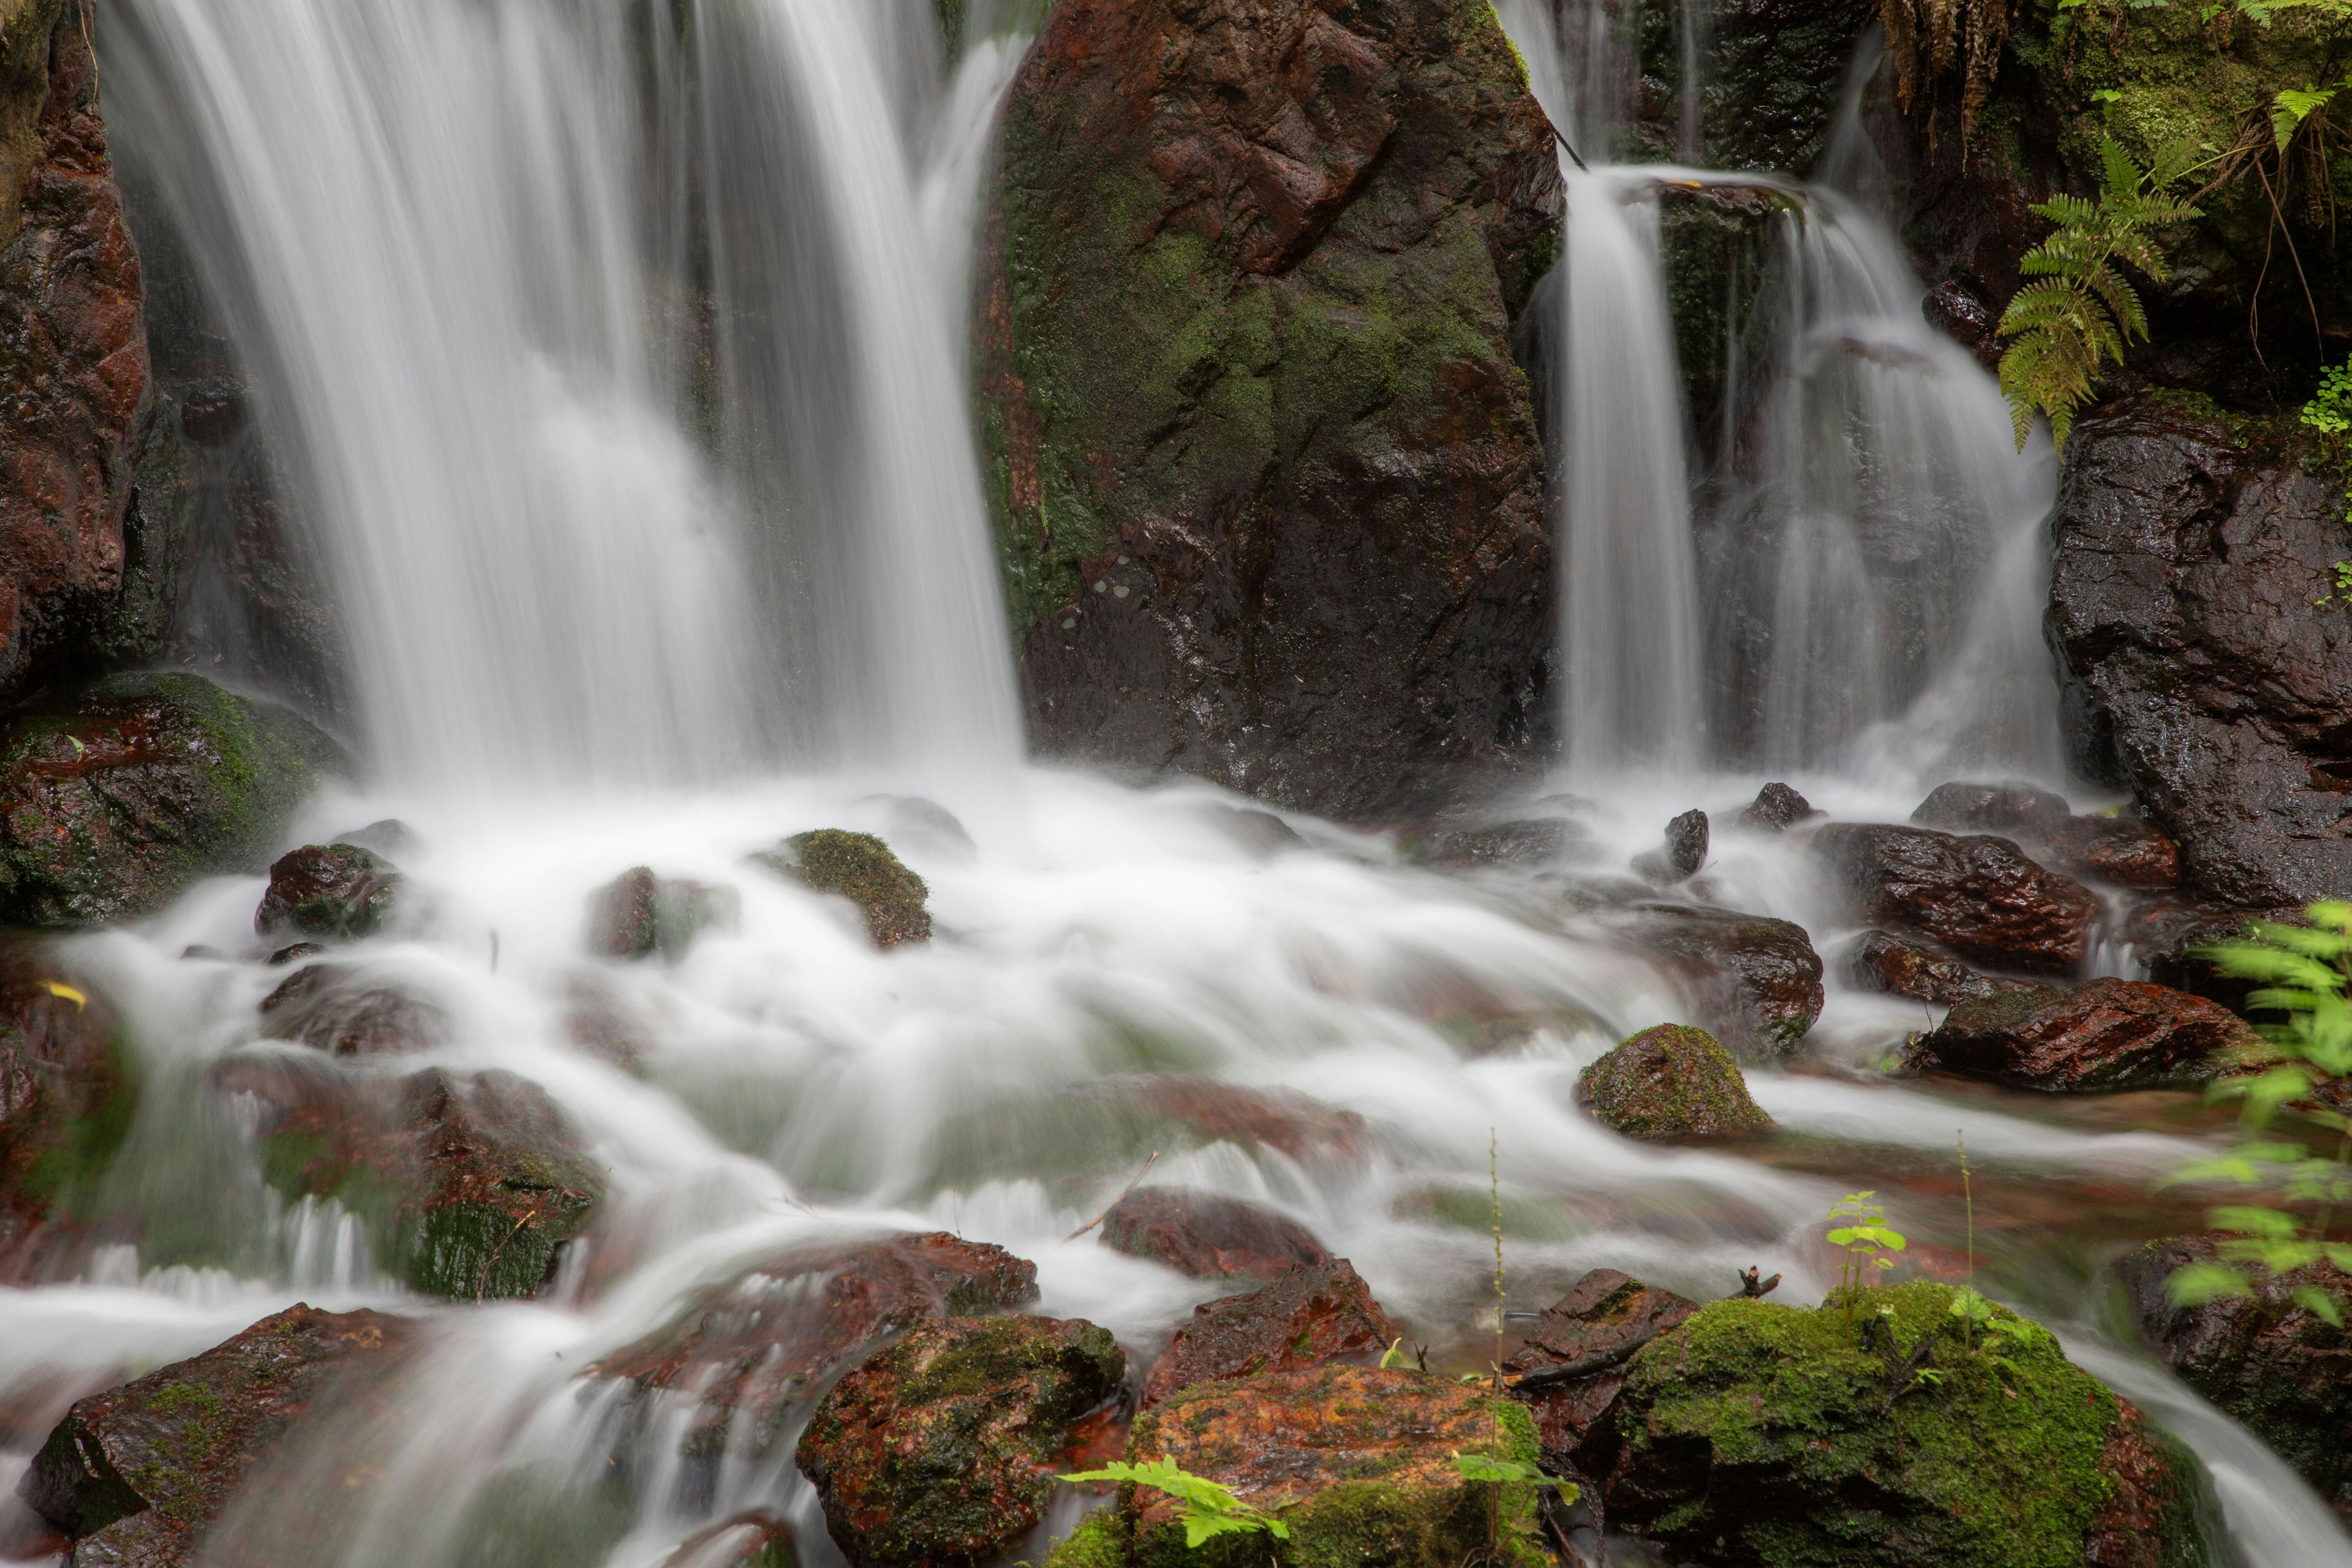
(59, 988)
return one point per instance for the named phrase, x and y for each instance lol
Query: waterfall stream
(616, 601)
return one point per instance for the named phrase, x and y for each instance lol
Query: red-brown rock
(751, 1352)
(66, 1101)
(1883, 962)
(2104, 1035)
(336, 891)
(1291, 1123)
(1304, 1318)
(137, 1475)
(1755, 981)
(638, 914)
(75, 380)
(336, 1009)
(1977, 896)
(2123, 850)
(1208, 1236)
(1570, 1368)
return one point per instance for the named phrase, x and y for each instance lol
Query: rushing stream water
(450, 238)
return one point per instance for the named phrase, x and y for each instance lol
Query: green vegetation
(1210, 1510)
(860, 868)
(1868, 1242)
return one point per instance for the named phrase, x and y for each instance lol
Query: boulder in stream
(1755, 981)
(337, 892)
(116, 796)
(1879, 961)
(1208, 1235)
(1977, 896)
(1776, 809)
(340, 1010)
(1568, 1371)
(135, 1476)
(638, 914)
(1670, 1081)
(860, 868)
(2103, 1034)
(67, 1094)
(1303, 1317)
(1684, 852)
(942, 1450)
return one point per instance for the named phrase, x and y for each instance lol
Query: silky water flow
(607, 608)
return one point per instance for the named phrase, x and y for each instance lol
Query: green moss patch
(860, 868)
(1670, 1081)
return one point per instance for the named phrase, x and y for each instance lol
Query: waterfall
(589, 517)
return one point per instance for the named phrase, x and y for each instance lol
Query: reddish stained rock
(755, 1540)
(1755, 981)
(941, 1452)
(2266, 1360)
(1304, 1317)
(470, 1184)
(336, 891)
(1670, 1081)
(752, 1350)
(136, 1475)
(1208, 1236)
(76, 386)
(2019, 810)
(1883, 962)
(1279, 1118)
(1979, 897)
(331, 1007)
(638, 914)
(1577, 1357)
(2139, 1527)
(67, 1099)
(2123, 850)
(2106, 1033)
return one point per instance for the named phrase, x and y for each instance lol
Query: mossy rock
(116, 796)
(336, 893)
(860, 868)
(1670, 1081)
(1778, 1437)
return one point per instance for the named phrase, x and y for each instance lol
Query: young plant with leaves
(1860, 1227)
(2077, 309)
(2306, 971)
(1210, 1510)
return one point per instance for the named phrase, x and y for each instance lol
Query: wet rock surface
(2199, 672)
(2267, 1360)
(1570, 1368)
(1684, 852)
(332, 891)
(2103, 1034)
(1977, 896)
(84, 577)
(470, 1184)
(1304, 1317)
(1776, 809)
(638, 914)
(1297, 1125)
(1209, 1236)
(1670, 1081)
(752, 1351)
(136, 1475)
(942, 1450)
(1299, 235)
(747, 1541)
(1755, 981)
(1757, 1432)
(2166, 934)
(337, 1009)
(66, 1098)
(2012, 810)
(1881, 962)
(2123, 850)
(116, 796)
(860, 868)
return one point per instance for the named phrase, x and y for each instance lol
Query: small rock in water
(1297, 1125)
(860, 868)
(2105, 1034)
(1670, 1081)
(1776, 809)
(329, 1006)
(138, 1474)
(1305, 1317)
(1568, 1371)
(942, 1450)
(927, 828)
(638, 914)
(2119, 850)
(1979, 897)
(1756, 981)
(1684, 851)
(2005, 808)
(1208, 1236)
(1462, 837)
(392, 838)
(338, 892)
(293, 953)
(1881, 962)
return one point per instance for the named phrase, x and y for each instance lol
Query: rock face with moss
(137, 1475)
(469, 1184)
(752, 1351)
(1571, 1368)
(2263, 1357)
(860, 868)
(1268, 480)
(2200, 672)
(2104, 1035)
(115, 797)
(1306, 1317)
(941, 1450)
(1670, 1081)
(1775, 1437)
(67, 1094)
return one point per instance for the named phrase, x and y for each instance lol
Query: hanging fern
(2077, 309)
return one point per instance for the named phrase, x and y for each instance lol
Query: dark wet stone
(1978, 897)
(860, 868)
(1208, 1236)
(1957, 310)
(1776, 809)
(1684, 851)
(1755, 981)
(2166, 935)
(2013, 810)
(1303, 1317)
(67, 1094)
(2103, 1034)
(2123, 850)
(335, 1008)
(942, 1450)
(337, 892)
(137, 1475)
(291, 953)
(1577, 1354)
(1461, 840)
(638, 914)
(1670, 1081)
(1881, 962)
(753, 1352)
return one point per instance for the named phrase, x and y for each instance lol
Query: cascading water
(602, 591)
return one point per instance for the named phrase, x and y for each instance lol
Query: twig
(1569, 148)
(492, 1260)
(1581, 1367)
(2279, 218)
(1115, 1202)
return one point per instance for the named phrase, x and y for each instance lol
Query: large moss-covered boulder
(116, 796)
(67, 1093)
(1778, 1436)
(1670, 1081)
(1267, 482)
(942, 1450)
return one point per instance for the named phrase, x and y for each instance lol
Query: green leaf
(2290, 109)
(2319, 1304)
(2195, 1284)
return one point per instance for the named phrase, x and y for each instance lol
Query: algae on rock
(1670, 1081)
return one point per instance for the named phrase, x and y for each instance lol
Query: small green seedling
(1210, 1510)
(1864, 1235)
(1501, 1473)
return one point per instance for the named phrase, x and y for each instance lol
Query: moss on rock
(860, 868)
(1670, 1081)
